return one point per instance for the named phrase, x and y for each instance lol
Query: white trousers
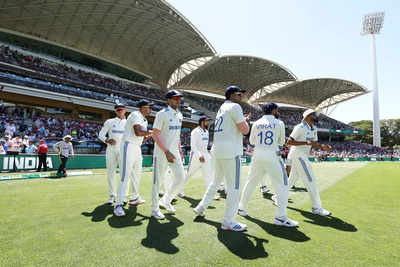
(130, 170)
(272, 166)
(228, 169)
(194, 165)
(113, 158)
(301, 167)
(160, 166)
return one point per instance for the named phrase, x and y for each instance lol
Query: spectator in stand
(10, 128)
(2, 147)
(14, 145)
(42, 154)
(31, 148)
(25, 141)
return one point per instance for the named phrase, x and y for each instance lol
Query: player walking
(267, 134)
(114, 129)
(229, 128)
(199, 158)
(131, 162)
(303, 137)
(167, 153)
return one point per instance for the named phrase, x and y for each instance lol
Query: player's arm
(139, 132)
(71, 150)
(102, 134)
(240, 120)
(196, 147)
(281, 140)
(253, 134)
(157, 126)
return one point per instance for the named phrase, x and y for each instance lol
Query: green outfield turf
(64, 222)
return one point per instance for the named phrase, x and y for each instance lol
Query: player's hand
(111, 141)
(170, 157)
(248, 117)
(202, 160)
(326, 147)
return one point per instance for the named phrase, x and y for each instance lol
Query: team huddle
(222, 164)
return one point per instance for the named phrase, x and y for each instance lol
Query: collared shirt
(169, 122)
(267, 134)
(42, 149)
(135, 118)
(228, 140)
(199, 141)
(63, 148)
(14, 145)
(303, 132)
(30, 149)
(115, 129)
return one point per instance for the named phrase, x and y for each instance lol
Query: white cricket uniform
(225, 153)
(267, 134)
(301, 166)
(169, 122)
(114, 128)
(198, 145)
(131, 156)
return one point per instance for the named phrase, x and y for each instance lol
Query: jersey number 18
(266, 138)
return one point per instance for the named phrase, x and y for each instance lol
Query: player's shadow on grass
(99, 213)
(327, 221)
(298, 189)
(239, 243)
(194, 202)
(289, 233)
(160, 234)
(128, 220)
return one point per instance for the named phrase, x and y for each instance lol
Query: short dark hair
(269, 107)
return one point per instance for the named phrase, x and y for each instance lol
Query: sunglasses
(177, 98)
(119, 109)
(238, 93)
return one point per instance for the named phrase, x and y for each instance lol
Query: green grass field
(64, 222)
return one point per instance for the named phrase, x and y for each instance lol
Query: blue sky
(311, 38)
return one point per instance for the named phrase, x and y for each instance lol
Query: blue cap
(233, 89)
(269, 107)
(203, 118)
(172, 93)
(119, 104)
(144, 102)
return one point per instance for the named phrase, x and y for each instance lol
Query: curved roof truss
(148, 36)
(249, 73)
(315, 93)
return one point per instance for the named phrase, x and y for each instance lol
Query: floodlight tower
(372, 25)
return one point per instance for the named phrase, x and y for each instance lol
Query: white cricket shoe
(284, 221)
(111, 200)
(166, 206)
(199, 212)
(242, 213)
(157, 215)
(137, 201)
(236, 227)
(119, 211)
(321, 211)
(274, 198)
(264, 189)
(181, 194)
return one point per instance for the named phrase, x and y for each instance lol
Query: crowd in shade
(69, 78)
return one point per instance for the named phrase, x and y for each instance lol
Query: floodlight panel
(373, 23)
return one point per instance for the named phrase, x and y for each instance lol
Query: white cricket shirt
(228, 141)
(169, 122)
(302, 132)
(267, 134)
(115, 130)
(199, 141)
(135, 118)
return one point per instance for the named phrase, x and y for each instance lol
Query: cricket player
(64, 149)
(200, 158)
(267, 134)
(303, 137)
(167, 153)
(229, 128)
(114, 129)
(131, 154)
